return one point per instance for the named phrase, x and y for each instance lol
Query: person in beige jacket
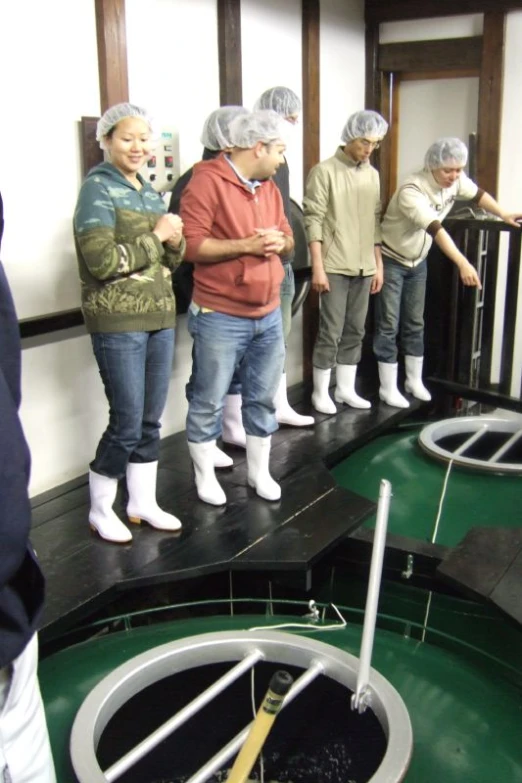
(342, 209)
(413, 220)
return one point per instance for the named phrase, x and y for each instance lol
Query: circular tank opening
(316, 739)
(180, 713)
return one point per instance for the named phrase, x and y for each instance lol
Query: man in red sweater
(236, 232)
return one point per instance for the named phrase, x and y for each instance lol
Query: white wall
(42, 100)
(422, 121)
(342, 59)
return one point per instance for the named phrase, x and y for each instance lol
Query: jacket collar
(341, 155)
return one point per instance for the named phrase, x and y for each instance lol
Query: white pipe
(361, 697)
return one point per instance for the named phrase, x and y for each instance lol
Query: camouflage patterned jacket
(125, 271)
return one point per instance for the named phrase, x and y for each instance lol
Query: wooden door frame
(482, 56)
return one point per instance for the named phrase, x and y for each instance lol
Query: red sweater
(216, 204)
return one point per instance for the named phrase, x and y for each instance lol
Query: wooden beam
(229, 52)
(490, 101)
(415, 76)
(372, 76)
(389, 143)
(439, 55)
(311, 155)
(377, 11)
(311, 94)
(112, 52)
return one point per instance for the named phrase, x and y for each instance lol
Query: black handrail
(467, 316)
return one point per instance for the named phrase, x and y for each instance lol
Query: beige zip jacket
(342, 210)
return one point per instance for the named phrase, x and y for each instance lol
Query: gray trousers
(343, 312)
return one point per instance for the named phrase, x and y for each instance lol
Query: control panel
(162, 168)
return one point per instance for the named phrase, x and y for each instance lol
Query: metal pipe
(220, 759)
(149, 743)
(361, 697)
(471, 440)
(507, 445)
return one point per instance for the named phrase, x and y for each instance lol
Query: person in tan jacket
(412, 222)
(342, 209)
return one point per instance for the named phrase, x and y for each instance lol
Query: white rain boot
(233, 431)
(258, 456)
(321, 399)
(414, 384)
(209, 488)
(388, 391)
(285, 414)
(142, 505)
(222, 460)
(102, 518)
(345, 389)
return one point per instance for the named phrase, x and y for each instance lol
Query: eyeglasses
(373, 144)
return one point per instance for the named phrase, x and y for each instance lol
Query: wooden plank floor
(84, 573)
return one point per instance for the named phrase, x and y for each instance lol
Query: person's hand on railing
(513, 220)
(468, 275)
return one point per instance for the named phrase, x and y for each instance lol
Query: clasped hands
(267, 241)
(169, 229)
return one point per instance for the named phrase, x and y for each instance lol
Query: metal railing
(475, 331)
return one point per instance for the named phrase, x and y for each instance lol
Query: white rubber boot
(258, 456)
(321, 399)
(388, 391)
(233, 431)
(102, 518)
(414, 384)
(221, 459)
(345, 388)
(209, 488)
(285, 414)
(142, 505)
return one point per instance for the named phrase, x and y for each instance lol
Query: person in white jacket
(413, 220)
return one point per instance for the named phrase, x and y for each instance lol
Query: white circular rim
(229, 646)
(430, 436)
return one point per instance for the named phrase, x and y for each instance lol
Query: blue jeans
(135, 368)
(399, 310)
(287, 297)
(222, 343)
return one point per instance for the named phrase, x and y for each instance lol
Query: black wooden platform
(248, 534)
(487, 563)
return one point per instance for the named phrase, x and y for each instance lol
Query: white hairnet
(114, 115)
(264, 125)
(216, 130)
(364, 125)
(447, 151)
(283, 100)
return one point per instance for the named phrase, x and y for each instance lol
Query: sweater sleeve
(174, 256)
(315, 203)
(198, 207)
(94, 232)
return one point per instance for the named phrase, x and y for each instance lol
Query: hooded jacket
(217, 204)
(125, 271)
